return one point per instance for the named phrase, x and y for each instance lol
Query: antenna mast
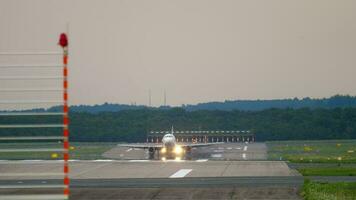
(149, 98)
(165, 98)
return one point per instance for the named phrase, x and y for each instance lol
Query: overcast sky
(196, 50)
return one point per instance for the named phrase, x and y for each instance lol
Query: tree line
(133, 125)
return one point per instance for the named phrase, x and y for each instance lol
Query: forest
(133, 125)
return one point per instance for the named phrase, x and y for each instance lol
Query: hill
(243, 105)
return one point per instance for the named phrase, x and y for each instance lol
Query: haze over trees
(246, 105)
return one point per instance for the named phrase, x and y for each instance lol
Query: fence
(34, 96)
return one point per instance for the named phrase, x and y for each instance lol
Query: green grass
(330, 171)
(323, 151)
(86, 151)
(328, 191)
(79, 150)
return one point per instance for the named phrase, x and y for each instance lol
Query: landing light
(178, 149)
(163, 159)
(163, 150)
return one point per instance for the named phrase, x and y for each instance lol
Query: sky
(195, 50)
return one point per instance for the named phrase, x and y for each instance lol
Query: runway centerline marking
(216, 155)
(102, 160)
(244, 156)
(128, 149)
(201, 160)
(245, 148)
(139, 160)
(181, 173)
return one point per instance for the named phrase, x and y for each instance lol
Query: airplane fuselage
(169, 140)
(170, 147)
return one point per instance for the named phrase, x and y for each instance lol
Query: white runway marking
(102, 160)
(245, 148)
(181, 173)
(169, 160)
(238, 148)
(128, 149)
(218, 151)
(244, 156)
(33, 160)
(139, 160)
(229, 148)
(201, 160)
(216, 155)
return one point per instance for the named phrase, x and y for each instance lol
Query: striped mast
(63, 41)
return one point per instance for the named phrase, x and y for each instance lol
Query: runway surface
(227, 151)
(103, 169)
(169, 193)
(224, 171)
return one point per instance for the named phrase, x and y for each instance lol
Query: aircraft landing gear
(188, 153)
(151, 153)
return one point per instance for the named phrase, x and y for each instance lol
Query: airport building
(204, 136)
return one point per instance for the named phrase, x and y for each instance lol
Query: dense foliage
(132, 125)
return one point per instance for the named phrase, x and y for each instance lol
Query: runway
(164, 182)
(116, 169)
(226, 151)
(224, 171)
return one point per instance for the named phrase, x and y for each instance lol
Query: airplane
(169, 148)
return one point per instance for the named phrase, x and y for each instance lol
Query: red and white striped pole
(63, 42)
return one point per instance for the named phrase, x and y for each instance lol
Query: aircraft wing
(197, 144)
(142, 145)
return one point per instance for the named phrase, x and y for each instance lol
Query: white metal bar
(24, 53)
(31, 150)
(32, 66)
(30, 77)
(5, 162)
(29, 102)
(30, 186)
(33, 138)
(30, 113)
(34, 126)
(34, 197)
(32, 90)
(32, 174)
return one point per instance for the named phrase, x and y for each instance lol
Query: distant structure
(149, 98)
(204, 136)
(165, 99)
